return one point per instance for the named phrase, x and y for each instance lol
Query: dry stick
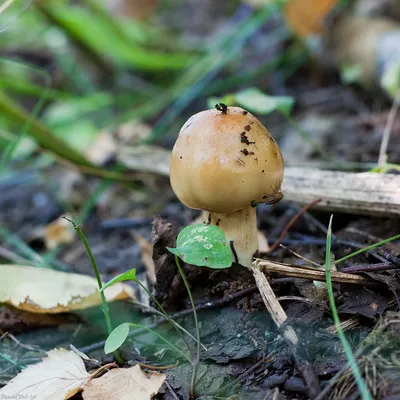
(365, 193)
(388, 129)
(297, 271)
(279, 317)
(291, 223)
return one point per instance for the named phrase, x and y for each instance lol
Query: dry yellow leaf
(59, 376)
(124, 384)
(305, 17)
(58, 232)
(43, 290)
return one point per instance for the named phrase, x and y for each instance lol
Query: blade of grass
(31, 89)
(24, 249)
(12, 146)
(362, 387)
(5, 5)
(372, 246)
(17, 17)
(98, 36)
(16, 364)
(39, 131)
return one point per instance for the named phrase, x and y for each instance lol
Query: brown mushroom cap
(222, 162)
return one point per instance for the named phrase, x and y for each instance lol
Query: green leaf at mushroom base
(204, 246)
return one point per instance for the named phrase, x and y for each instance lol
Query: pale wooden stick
(299, 271)
(273, 306)
(355, 193)
(364, 193)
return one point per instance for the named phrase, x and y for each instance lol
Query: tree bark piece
(365, 193)
(354, 193)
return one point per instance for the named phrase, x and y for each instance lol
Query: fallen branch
(364, 193)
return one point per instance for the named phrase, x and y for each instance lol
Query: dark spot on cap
(180, 157)
(262, 171)
(247, 128)
(244, 112)
(246, 152)
(245, 139)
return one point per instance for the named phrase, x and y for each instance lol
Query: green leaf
(391, 79)
(350, 73)
(228, 99)
(256, 101)
(116, 338)
(126, 276)
(203, 245)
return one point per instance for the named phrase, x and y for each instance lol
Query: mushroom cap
(224, 162)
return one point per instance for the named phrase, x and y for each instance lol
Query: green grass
(372, 246)
(329, 261)
(10, 149)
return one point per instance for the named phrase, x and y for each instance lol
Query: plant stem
(11, 361)
(196, 321)
(164, 313)
(105, 309)
(163, 339)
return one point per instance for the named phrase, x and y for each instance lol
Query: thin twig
(387, 131)
(161, 368)
(356, 269)
(291, 223)
(171, 391)
(300, 256)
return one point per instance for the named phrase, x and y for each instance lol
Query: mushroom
(225, 162)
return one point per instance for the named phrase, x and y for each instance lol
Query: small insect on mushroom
(207, 174)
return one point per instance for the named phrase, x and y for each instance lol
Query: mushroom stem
(240, 229)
